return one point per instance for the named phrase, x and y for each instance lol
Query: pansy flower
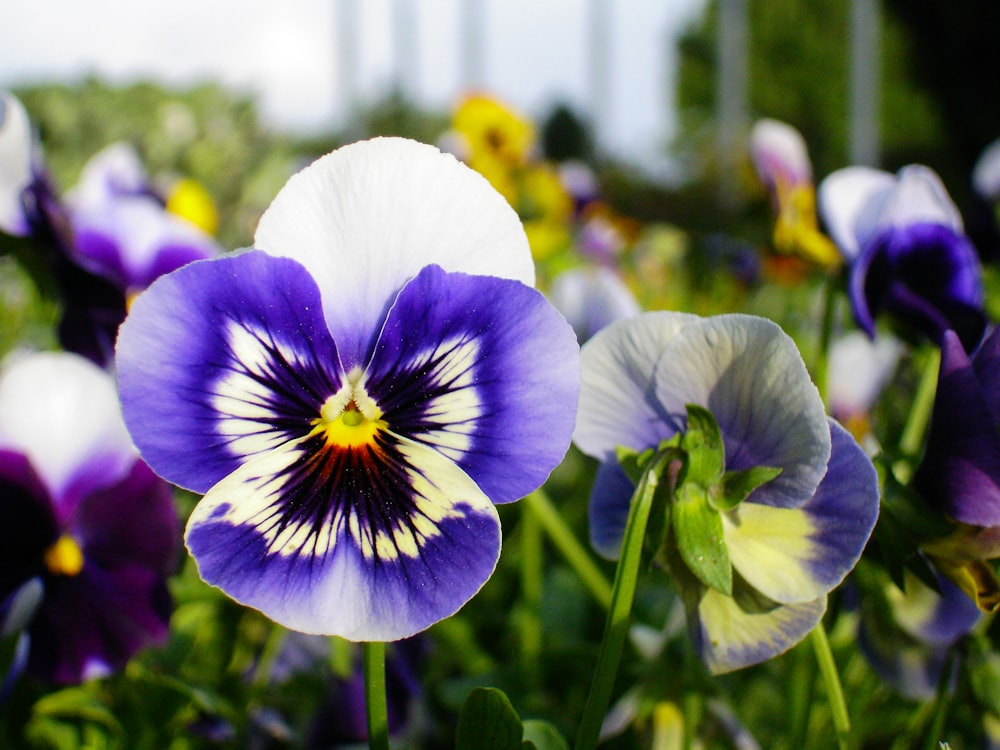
(354, 395)
(906, 634)
(792, 539)
(909, 257)
(123, 235)
(102, 242)
(96, 533)
(959, 474)
(781, 160)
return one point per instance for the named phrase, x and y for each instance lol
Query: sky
(286, 54)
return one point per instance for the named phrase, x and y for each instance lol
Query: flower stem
(622, 594)
(569, 547)
(532, 571)
(821, 363)
(831, 680)
(920, 415)
(375, 701)
(941, 700)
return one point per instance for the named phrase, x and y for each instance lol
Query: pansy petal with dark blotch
(960, 470)
(927, 274)
(27, 512)
(375, 542)
(92, 623)
(485, 371)
(133, 522)
(222, 361)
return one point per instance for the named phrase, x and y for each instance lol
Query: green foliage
(798, 72)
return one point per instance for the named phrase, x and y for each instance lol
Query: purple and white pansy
(84, 578)
(909, 255)
(794, 538)
(354, 395)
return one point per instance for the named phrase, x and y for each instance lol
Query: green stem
(532, 570)
(821, 362)
(268, 655)
(941, 702)
(831, 680)
(920, 415)
(375, 700)
(622, 594)
(802, 686)
(569, 547)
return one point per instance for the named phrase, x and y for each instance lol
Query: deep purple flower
(355, 396)
(909, 255)
(96, 534)
(959, 474)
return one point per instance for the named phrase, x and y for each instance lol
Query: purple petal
(986, 363)
(483, 369)
(926, 274)
(794, 555)
(610, 499)
(960, 471)
(91, 624)
(28, 512)
(844, 509)
(374, 543)
(222, 360)
(131, 522)
(133, 240)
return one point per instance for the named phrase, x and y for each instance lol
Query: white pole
(347, 33)
(600, 70)
(865, 65)
(731, 90)
(405, 38)
(472, 44)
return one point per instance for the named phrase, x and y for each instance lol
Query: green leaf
(702, 442)
(541, 735)
(736, 486)
(698, 533)
(488, 721)
(905, 523)
(984, 673)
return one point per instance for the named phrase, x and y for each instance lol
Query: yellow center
(350, 418)
(64, 557)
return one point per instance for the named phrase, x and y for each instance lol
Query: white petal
(367, 217)
(851, 201)
(920, 197)
(779, 151)
(113, 171)
(15, 163)
(986, 174)
(859, 369)
(750, 375)
(62, 412)
(617, 366)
